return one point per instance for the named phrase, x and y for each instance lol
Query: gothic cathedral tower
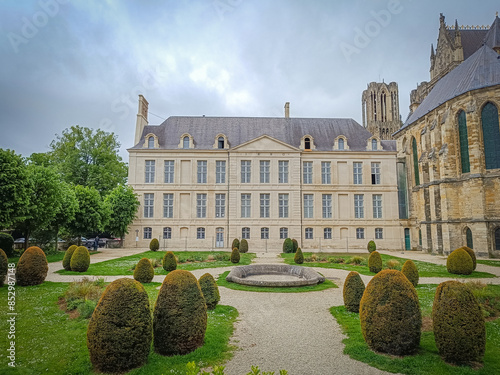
(380, 103)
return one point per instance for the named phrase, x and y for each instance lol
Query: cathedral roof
(472, 40)
(239, 130)
(492, 39)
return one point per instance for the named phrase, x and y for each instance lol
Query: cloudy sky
(72, 62)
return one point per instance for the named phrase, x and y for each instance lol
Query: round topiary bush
(66, 262)
(287, 246)
(144, 271)
(210, 290)
(169, 261)
(472, 256)
(180, 315)
(154, 245)
(353, 291)
(80, 260)
(459, 262)
(32, 267)
(243, 246)
(459, 328)
(7, 244)
(236, 243)
(119, 333)
(375, 262)
(411, 272)
(299, 257)
(235, 255)
(3, 266)
(389, 314)
(295, 245)
(371, 247)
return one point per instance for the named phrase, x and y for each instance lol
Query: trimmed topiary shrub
(80, 260)
(371, 247)
(389, 314)
(119, 333)
(236, 243)
(299, 257)
(3, 266)
(32, 267)
(66, 262)
(411, 272)
(375, 262)
(243, 246)
(235, 255)
(287, 246)
(353, 291)
(459, 262)
(295, 245)
(144, 271)
(472, 256)
(210, 290)
(154, 245)
(459, 328)
(7, 244)
(169, 261)
(180, 315)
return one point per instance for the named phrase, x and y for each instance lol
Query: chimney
(142, 118)
(287, 110)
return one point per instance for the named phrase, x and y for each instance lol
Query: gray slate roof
(492, 39)
(239, 130)
(480, 70)
(471, 40)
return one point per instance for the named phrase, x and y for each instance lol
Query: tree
(65, 211)
(89, 158)
(123, 205)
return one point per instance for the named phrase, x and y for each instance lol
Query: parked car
(89, 243)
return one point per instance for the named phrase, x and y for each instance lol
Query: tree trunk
(26, 237)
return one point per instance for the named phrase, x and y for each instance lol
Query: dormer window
(220, 143)
(151, 142)
(185, 142)
(341, 143)
(307, 144)
(374, 145)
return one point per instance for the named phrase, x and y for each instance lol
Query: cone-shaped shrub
(3, 266)
(299, 257)
(389, 314)
(154, 245)
(411, 272)
(180, 315)
(32, 267)
(210, 290)
(243, 246)
(287, 245)
(459, 328)
(144, 271)
(375, 262)
(119, 333)
(80, 260)
(169, 261)
(295, 245)
(7, 244)
(235, 255)
(236, 243)
(66, 262)
(459, 262)
(353, 291)
(472, 256)
(371, 247)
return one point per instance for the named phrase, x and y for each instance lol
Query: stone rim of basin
(302, 276)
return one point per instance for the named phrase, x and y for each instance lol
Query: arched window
(415, 161)
(307, 143)
(468, 237)
(464, 142)
(497, 239)
(151, 142)
(167, 233)
(374, 145)
(341, 143)
(491, 136)
(185, 142)
(220, 142)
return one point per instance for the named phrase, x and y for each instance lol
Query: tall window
(308, 206)
(308, 172)
(307, 143)
(464, 142)
(326, 173)
(309, 234)
(415, 161)
(357, 173)
(283, 171)
(220, 142)
(149, 205)
(375, 173)
(264, 171)
(359, 212)
(264, 233)
(200, 233)
(169, 171)
(167, 233)
(341, 143)
(245, 171)
(149, 171)
(468, 238)
(374, 145)
(377, 206)
(264, 205)
(185, 142)
(283, 233)
(379, 233)
(148, 233)
(168, 205)
(497, 239)
(245, 205)
(491, 136)
(283, 205)
(220, 205)
(327, 233)
(220, 172)
(151, 142)
(327, 206)
(360, 233)
(245, 233)
(201, 205)
(202, 171)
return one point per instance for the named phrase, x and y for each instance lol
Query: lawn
(192, 260)
(427, 361)
(51, 258)
(48, 341)
(494, 263)
(425, 269)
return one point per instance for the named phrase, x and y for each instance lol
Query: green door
(407, 239)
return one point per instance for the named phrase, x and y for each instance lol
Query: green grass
(494, 263)
(47, 341)
(51, 258)
(425, 269)
(327, 284)
(124, 265)
(427, 361)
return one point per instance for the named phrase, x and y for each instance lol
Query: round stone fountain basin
(278, 275)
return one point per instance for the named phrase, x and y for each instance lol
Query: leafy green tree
(123, 204)
(89, 158)
(65, 211)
